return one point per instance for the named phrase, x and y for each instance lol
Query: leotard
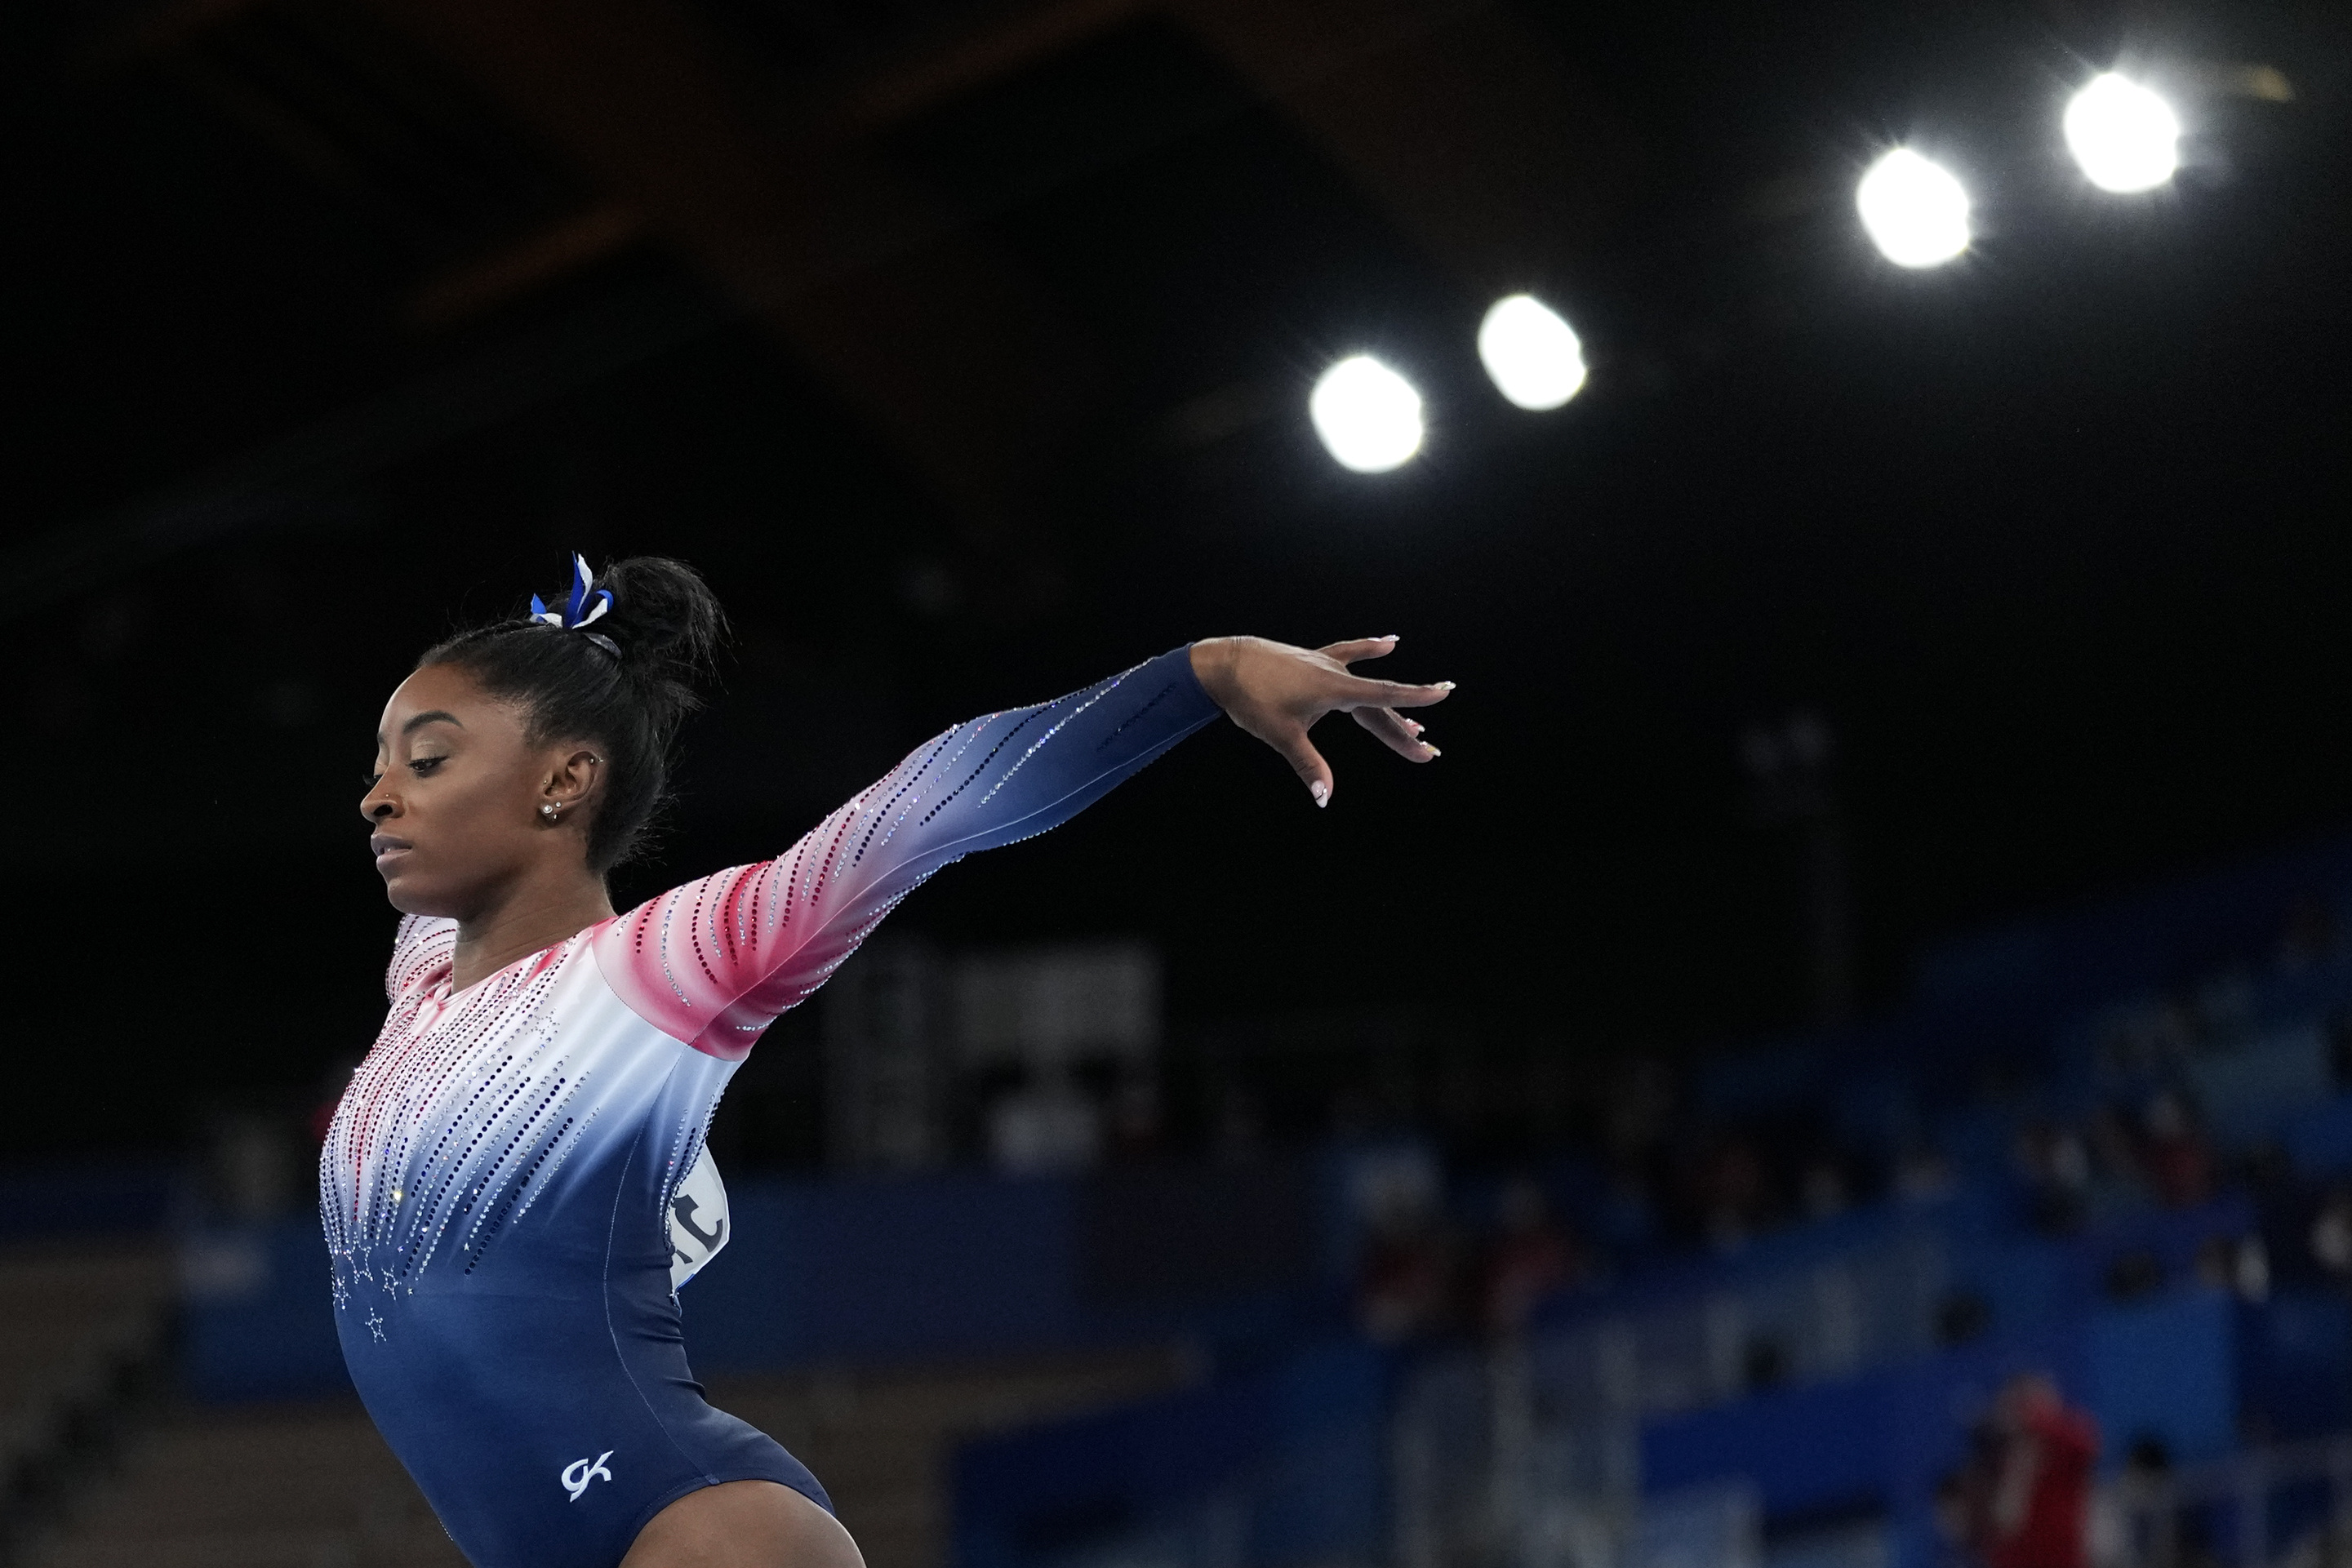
(516, 1183)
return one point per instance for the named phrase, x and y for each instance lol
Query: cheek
(478, 811)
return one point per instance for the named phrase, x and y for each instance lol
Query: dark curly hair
(665, 625)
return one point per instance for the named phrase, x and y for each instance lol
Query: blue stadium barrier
(258, 1319)
(2294, 1366)
(2319, 1139)
(81, 1198)
(1295, 1454)
(870, 1271)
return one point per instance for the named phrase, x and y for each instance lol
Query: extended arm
(714, 962)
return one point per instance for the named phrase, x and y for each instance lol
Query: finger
(1358, 693)
(1398, 733)
(1305, 761)
(1361, 648)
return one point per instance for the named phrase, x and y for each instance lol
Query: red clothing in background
(2050, 1458)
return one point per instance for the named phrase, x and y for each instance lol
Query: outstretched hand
(1276, 693)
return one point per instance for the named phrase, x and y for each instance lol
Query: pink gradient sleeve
(715, 961)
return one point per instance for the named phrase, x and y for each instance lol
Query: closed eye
(422, 765)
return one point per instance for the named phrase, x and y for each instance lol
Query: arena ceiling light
(2125, 137)
(1368, 415)
(1532, 354)
(1915, 210)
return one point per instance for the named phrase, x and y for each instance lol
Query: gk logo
(580, 1473)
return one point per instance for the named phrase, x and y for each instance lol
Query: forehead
(446, 689)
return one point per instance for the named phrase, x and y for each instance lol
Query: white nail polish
(1322, 795)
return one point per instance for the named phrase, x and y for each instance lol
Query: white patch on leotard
(698, 1226)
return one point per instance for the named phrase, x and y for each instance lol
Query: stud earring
(549, 811)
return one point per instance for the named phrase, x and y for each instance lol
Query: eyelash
(419, 766)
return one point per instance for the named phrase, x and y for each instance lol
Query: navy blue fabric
(590, 1379)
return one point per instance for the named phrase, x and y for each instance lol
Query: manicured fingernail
(1445, 686)
(1433, 750)
(1390, 638)
(1321, 791)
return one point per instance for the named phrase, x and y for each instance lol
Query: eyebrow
(430, 716)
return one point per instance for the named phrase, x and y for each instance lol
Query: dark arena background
(1846, 1063)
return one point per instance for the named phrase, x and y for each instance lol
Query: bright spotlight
(2122, 135)
(1916, 213)
(1532, 354)
(1369, 416)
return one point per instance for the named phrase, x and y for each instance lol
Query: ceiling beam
(580, 239)
(1459, 119)
(921, 327)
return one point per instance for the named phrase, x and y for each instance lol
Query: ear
(571, 779)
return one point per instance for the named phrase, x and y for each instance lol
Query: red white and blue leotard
(515, 1183)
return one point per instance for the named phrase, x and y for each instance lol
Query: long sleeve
(714, 961)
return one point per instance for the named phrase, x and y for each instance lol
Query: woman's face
(455, 803)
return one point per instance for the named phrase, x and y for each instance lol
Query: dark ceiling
(965, 346)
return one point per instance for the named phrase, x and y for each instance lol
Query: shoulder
(423, 951)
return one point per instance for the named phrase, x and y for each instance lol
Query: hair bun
(664, 616)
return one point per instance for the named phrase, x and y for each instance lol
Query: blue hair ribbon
(580, 612)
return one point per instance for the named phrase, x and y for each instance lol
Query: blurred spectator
(1403, 1282)
(2056, 1165)
(1956, 1512)
(1821, 1189)
(2237, 1264)
(1628, 1216)
(2330, 1237)
(1529, 1257)
(2151, 1038)
(2173, 1153)
(2225, 1002)
(2037, 1512)
(2113, 1147)
(2307, 1235)
(2308, 936)
(1732, 1196)
(1963, 1507)
(2130, 1524)
(1922, 1174)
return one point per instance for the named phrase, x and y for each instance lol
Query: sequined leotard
(515, 1184)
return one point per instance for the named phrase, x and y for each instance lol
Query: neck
(538, 915)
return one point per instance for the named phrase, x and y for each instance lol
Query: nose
(376, 806)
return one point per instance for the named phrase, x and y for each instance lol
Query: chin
(404, 895)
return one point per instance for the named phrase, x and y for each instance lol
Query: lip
(387, 849)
